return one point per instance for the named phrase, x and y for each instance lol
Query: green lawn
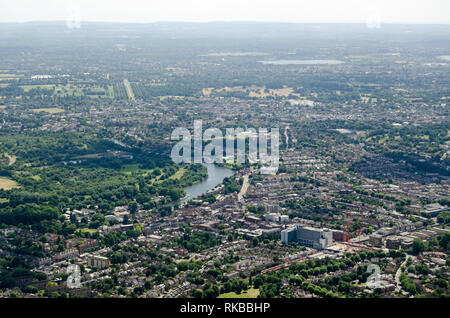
(27, 88)
(36, 177)
(178, 174)
(130, 168)
(90, 231)
(48, 110)
(251, 293)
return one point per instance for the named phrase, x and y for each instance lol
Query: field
(28, 88)
(178, 174)
(263, 92)
(253, 91)
(134, 168)
(131, 168)
(7, 184)
(207, 91)
(48, 110)
(7, 76)
(86, 230)
(250, 293)
(36, 178)
(72, 90)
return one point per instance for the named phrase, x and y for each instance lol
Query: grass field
(72, 90)
(262, 92)
(90, 156)
(7, 184)
(207, 91)
(48, 110)
(251, 293)
(7, 76)
(36, 178)
(68, 90)
(254, 91)
(130, 168)
(134, 168)
(27, 88)
(178, 174)
(87, 230)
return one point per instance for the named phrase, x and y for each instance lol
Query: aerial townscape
(92, 204)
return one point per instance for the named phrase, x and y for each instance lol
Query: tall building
(308, 236)
(339, 235)
(289, 235)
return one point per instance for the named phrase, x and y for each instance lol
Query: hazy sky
(365, 11)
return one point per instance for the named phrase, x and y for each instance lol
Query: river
(215, 177)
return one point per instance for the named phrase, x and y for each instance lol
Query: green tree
(418, 246)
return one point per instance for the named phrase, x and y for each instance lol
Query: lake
(215, 177)
(302, 62)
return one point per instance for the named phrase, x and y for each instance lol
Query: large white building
(308, 236)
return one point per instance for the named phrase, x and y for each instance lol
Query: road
(129, 90)
(398, 287)
(244, 188)
(286, 136)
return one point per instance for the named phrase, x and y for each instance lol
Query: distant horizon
(222, 21)
(373, 12)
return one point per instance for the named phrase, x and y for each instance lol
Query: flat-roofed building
(308, 236)
(393, 243)
(289, 235)
(433, 209)
(339, 236)
(98, 261)
(376, 240)
(315, 238)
